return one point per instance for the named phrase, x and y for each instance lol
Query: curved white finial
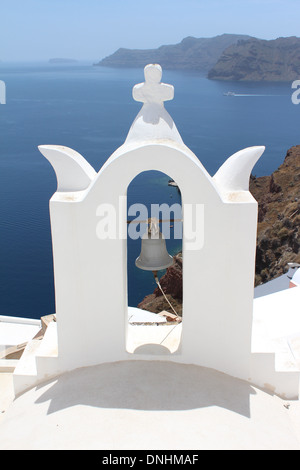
(73, 172)
(153, 121)
(234, 174)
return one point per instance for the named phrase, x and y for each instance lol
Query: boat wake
(247, 94)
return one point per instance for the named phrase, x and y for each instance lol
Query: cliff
(190, 54)
(278, 196)
(226, 57)
(259, 60)
(278, 237)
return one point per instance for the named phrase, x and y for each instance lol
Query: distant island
(62, 61)
(226, 57)
(190, 54)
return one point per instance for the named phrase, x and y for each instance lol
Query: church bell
(154, 255)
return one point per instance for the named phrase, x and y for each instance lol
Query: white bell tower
(91, 271)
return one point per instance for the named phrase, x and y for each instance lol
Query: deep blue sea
(91, 109)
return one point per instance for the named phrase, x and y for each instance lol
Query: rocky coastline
(278, 234)
(191, 53)
(278, 238)
(228, 57)
(259, 60)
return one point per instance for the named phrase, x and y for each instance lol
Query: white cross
(152, 90)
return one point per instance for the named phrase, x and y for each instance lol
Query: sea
(91, 109)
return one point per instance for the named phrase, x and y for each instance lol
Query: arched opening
(154, 302)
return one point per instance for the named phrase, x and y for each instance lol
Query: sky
(37, 30)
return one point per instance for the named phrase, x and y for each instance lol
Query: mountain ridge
(191, 53)
(227, 57)
(259, 60)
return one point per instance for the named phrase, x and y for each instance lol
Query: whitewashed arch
(91, 275)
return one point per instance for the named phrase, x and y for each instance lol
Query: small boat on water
(172, 183)
(229, 93)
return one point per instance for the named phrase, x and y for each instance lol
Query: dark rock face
(171, 282)
(278, 236)
(191, 54)
(259, 60)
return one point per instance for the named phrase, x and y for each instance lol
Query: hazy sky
(93, 29)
